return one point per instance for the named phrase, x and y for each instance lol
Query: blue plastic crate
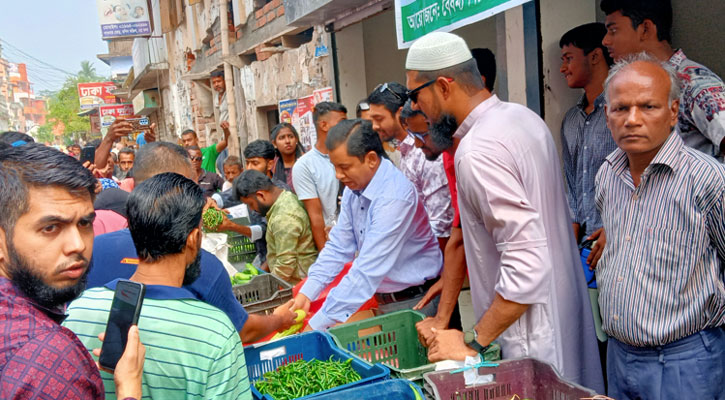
(265, 357)
(392, 389)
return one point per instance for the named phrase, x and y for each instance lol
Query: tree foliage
(64, 105)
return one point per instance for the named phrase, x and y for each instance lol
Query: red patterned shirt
(39, 359)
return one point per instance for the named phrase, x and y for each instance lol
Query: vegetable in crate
(212, 218)
(303, 378)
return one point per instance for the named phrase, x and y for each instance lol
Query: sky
(60, 33)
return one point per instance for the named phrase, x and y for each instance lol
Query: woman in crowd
(286, 140)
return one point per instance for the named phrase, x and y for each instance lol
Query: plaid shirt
(701, 120)
(39, 359)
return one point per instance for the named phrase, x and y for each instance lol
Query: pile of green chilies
(212, 218)
(302, 378)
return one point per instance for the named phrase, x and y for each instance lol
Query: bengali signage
(110, 112)
(93, 94)
(124, 18)
(415, 18)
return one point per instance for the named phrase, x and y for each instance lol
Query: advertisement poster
(109, 113)
(124, 18)
(288, 112)
(324, 94)
(306, 128)
(94, 94)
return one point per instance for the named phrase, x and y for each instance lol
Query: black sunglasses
(384, 86)
(413, 94)
(196, 158)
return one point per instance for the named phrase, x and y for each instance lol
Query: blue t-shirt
(141, 140)
(114, 256)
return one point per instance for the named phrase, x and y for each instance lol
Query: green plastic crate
(241, 249)
(395, 343)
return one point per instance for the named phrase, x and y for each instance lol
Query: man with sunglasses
(527, 284)
(209, 182)
(392, 119)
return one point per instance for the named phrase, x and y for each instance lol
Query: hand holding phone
(125, 311)
(88, 153)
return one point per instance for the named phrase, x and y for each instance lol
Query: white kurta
(518, 238)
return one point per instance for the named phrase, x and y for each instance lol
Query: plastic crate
(241, 249)
(266, 357)
(393, 342)
(392, 389)
(263, 294)
(527, 378)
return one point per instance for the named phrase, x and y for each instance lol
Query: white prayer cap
(437, 50)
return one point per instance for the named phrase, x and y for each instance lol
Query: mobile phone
(88, 153)
(125, 310)
(139, 123)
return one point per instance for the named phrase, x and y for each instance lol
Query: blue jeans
(690, 368)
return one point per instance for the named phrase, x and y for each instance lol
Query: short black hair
(362, 105)
(10, 137)
(162, 212)
(188, 132)
(408, 112)
(466, 74)
(391, 95)
(486, 63)
(127, 150)
(359, 136)
(218, 73)
(158, 157)
(587, 37)
(36, 165)
(250, 182)
(657, 11)
(260, 148)
(323, 108)
(192, 147)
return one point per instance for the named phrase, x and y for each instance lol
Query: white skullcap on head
(437, 50)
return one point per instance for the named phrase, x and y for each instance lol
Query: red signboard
(93, 94)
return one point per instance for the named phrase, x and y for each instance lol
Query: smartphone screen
(125, 310)
(88, 153)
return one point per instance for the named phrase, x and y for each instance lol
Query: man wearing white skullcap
(528, 287)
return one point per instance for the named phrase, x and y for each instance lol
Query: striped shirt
(192, 349)
(586, 142)
(661, 276)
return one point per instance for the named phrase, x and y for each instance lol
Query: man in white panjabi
(528, 287)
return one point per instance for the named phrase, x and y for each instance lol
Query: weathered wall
(288, 75)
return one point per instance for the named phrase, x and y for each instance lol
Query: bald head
(645, 65)
(642, 106)
(159, 157)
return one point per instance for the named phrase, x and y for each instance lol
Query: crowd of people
(437, 181)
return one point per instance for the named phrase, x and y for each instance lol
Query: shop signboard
(94, 94)
(415, 18)
(306, 128)
(124, 18)
(109, 113)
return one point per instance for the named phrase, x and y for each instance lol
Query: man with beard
(290, 246)
(115, 256)
(193, 347)
(526, 278)
(46, 237)
(394, 120)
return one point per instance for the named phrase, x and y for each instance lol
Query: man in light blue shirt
(381, 219)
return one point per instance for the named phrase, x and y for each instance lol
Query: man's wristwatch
(470, 338)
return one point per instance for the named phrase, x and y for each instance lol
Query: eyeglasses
(196, 158)
(384, 86)
(417, 135)
(413, 94)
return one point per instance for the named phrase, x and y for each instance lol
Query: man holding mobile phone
(46, 238)
(194, 349)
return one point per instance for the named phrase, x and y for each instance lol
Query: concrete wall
(288, 75)
(351, 66)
